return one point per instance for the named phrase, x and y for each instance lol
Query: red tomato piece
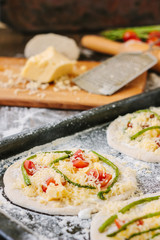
(80, 164)
(157, 141)
(151, 116)
(30, 167)
(119, 223)
(145, 126)
(130, 34)
(48, 181)
(152, 40)
(154, 34)
(79, 154)
(78, 159)
(129, 124)
(140, 222)
(101, 177)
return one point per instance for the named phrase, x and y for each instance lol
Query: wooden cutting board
(63, 99)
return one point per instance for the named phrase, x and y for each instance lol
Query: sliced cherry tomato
(78, 159)
(30, 167)
(144, 125)
(157, 141)
(140, 222)
(129, 124)
(152, 40)
(119, 223)
(79, 154)
(101, 177)
(130, 34)
(80, 164)
(48, 181)
(154, 34)
(151, 116)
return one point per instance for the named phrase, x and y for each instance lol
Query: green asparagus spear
(143, 232)
(71, 182)
(35, 155)
(155, 235)
(60, 158)
(111, 219)
(142, 32)
(101, 193)
(25, 175)
(59, 151)
(148, 110)
(133, 137)
(150, 215)
(64, 151)
(31, 157)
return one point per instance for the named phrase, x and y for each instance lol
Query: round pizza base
(17, 197)
(132, 151)
(101, 217)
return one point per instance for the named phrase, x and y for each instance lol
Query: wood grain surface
(63, 99)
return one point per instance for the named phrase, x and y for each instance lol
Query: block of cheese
(47, 66)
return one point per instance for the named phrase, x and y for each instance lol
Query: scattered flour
(74, 227)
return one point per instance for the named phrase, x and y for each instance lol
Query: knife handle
(100, 44)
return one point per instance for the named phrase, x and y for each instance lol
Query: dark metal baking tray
(85, 130)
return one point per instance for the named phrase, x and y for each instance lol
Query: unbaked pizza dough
(137, 211)
(59, 196)
(146, 146)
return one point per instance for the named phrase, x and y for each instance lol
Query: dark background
(73, 18)
(78, 15)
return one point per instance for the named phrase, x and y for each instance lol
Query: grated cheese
(68, 194)
(147, 140)
(113, 207)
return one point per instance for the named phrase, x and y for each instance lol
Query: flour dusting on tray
(68, 227)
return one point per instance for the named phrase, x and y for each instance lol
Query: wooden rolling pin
(103, 45)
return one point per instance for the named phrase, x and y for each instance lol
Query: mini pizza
(137, 219)
(137, 134)
(66, 182)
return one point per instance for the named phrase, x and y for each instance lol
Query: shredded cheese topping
(130, 124)
(138, 211)
(63, 193)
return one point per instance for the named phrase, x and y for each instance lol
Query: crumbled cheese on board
(12, 80)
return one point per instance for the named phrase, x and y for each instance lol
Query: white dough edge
(64, 45)
(17, 197)
(101, 216)
(132, 151)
